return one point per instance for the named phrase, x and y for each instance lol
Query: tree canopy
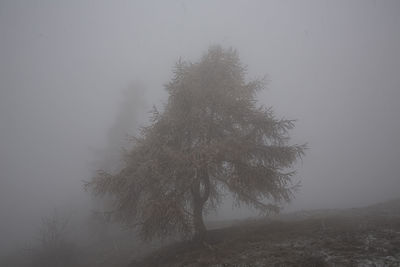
(211, 137)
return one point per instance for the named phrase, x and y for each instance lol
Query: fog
(68, 70)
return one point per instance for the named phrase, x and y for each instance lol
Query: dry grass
(362, 238)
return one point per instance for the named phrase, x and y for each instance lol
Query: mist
(71, 72)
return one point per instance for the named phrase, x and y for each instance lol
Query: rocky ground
(355, 237)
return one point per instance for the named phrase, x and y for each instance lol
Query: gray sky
(333, 65)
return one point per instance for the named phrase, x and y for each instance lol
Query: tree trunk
(199, 227)
(200, 193)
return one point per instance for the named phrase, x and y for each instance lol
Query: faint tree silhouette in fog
(211, 137)
(108, 158)
(53, 248)
(125, 124)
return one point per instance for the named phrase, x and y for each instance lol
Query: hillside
(367, 236)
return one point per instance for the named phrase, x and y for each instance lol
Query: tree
(125, 124)
(211, 136)
(109, 157)
(53, 248)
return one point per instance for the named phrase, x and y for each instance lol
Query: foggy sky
(64, 65)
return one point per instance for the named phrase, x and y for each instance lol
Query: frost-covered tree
(211, 137)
